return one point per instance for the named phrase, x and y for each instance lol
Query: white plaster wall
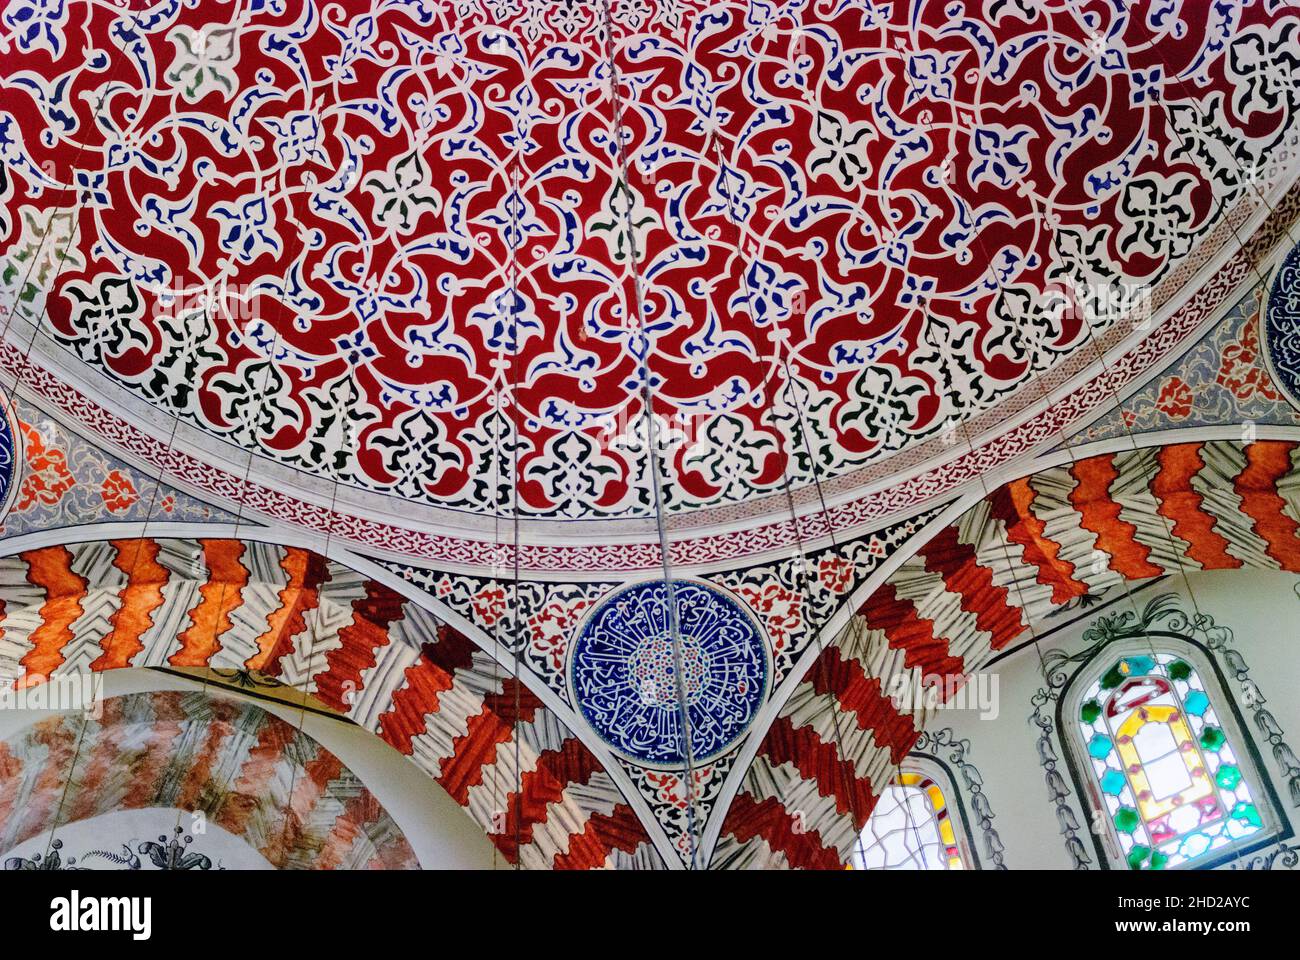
(1262, 608)
(438, 829)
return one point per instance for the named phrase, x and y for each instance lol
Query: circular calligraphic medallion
(625, 680)
(1281, 322)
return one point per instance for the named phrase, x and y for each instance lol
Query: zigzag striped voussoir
(357, 645)
(643, 857)
(535, 808)
(260, 601)
(603, 834)
(863, 700)
(928, 593)
(1062, 525)
(221, 595)
(478, 752)
(84, 649)
(305, 572)
(1266, 486)
(50, 569)
(361, 648)
(1006, 559)
(1133, 492)
(308, 656)
(430, 713)
(140, 597)
(1099, 511)
(780, 820)
(1013, 506)
(906, 629)
(956, 560)
(935, 604)
(420, 696)
(1233, 505)
(811, 745)
(1183, 506)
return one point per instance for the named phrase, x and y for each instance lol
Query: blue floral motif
(38, 24)
(1282, 325)
(623, 671)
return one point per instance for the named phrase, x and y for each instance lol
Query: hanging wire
(638, 331)
(1242, 244)
(966, 430)
(24, 365)
(801, 563)
(498, 548)
(1117, 407)
(514, 399)
(1123, 581)
(856, 622)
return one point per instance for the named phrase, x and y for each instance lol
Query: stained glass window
(910, 829)
(1172, 788)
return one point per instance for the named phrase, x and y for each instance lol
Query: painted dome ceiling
(359, 265)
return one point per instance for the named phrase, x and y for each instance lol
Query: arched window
(911, 828)
(1169, 787)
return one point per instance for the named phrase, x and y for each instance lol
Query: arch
(356, 645)
(192, 751)
(1032, 545)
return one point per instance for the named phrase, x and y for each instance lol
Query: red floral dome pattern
(421, 248)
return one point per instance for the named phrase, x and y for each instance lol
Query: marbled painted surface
(65, 480)
(1223, 379)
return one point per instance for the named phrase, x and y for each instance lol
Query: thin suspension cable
(801, 562)
(637, 330)
(38, 330)
(1251, 186)
(1035, 378)
(514, 399)
(1117, 405)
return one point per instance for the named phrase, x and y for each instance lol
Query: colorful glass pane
(1169, 780)
(910, 829)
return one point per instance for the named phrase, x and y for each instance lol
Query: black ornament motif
(163, 854)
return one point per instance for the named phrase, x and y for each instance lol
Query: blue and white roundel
(9, 453)
(1282, 326)
(624, 679)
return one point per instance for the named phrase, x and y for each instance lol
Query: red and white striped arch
(973, 587)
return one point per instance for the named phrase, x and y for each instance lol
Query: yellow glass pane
(946, 834)
(1135, 768)
(937, 803)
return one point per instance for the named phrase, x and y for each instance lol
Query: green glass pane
(1228, 777)
(1137, 856)
(1112, 678)
(1212, 738)
(1126, 820)
(1159, 860)
(1179, 670)
(1090, 711)
(1247, 812)
(1113, 782)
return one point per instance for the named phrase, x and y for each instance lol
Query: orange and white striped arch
(358, 646)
